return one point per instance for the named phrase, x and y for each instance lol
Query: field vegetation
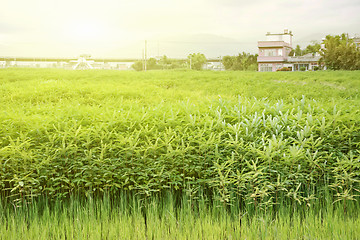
(179, 154)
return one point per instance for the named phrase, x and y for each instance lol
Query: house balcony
(271, 59)
(272, 44)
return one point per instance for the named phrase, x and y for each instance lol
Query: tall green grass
(126, 217)
(249, 143)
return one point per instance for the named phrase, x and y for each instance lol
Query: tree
(251, 63)
(164, 60)
(168, 63)
(298, 51)
(340, 53)
(228, 62)
(138, 66)
(152, 64)
(196, 60)
(312, 48)
(243, 61)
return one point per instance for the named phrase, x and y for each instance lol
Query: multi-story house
(274, 54)
(274, 51)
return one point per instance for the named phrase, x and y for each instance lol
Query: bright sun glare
(85, 30)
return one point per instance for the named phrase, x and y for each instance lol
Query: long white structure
(77, 64)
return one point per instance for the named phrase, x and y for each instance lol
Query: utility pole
(145, 54)
(158, 49)
(220, 64)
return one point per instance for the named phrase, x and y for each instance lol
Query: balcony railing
(271, 59)
(265, 44)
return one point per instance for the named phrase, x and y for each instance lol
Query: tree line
(313, 48)
(196, 61)
(243, 61)
(340, 53)
(337, 52)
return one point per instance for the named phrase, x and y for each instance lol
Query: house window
(280, 52)
(297, 67)
(266, 68)
(270, 52)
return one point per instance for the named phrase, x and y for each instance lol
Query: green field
(179, 155)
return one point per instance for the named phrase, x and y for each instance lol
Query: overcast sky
(118, 28)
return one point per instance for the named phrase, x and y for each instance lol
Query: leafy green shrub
(284, 69)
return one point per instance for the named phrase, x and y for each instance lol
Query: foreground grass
(132, 219)
(278, 151)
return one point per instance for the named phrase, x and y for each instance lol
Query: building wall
(273, 67)
(279, 37)
(273, 52)
(272, 57)
(357, 41)
(269, 66)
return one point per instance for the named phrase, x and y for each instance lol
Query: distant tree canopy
(151, 63)
(138, 66)
(196, 60)
(168, 63)
(243, 61)
(313, 48)
(163, 63)
(340, 53)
